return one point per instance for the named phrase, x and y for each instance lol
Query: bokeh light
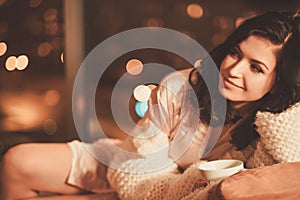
(141, 108)
(52, 97)
(134, 66)
(3, 48)
(50, 126)
(10, 63)
(223, 23)
(44, 49)
(50, 15)
(154, 22)
(22, 62)
(62, 57)
(2, 2)
(34, 3)
(142, 93)
(194, 10)
(52, 28)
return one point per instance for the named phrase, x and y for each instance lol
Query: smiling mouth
(227, 83)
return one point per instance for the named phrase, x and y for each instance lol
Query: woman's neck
(243, 107)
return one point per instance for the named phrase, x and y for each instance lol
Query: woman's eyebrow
(253, 60)
(259, 62)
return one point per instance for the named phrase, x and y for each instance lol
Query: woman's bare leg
(28, 168)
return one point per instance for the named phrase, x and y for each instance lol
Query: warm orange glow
(154, 22)
(51, 28)
(2, 2)
(10, 63)
(194, 10)
(52, 97)
(44, 49)
(3, 48)
(134, 66)
(34, 3)
(22, 62)
(142, 93)
(223, 23)
(50, 15)
(23, 111)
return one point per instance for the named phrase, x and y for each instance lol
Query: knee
(15, 163)
(15, 172)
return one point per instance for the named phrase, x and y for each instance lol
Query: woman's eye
(234, 53)
(256, 68)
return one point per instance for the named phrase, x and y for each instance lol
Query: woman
(259, 71)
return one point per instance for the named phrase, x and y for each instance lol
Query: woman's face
(248, 72)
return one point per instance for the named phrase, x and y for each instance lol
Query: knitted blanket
(278, 143)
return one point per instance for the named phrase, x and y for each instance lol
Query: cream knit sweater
(279, 142)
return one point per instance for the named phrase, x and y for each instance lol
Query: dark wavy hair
(280, 28)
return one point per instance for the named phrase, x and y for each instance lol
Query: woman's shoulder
(176, 82)
(177, 79)
(178, 74)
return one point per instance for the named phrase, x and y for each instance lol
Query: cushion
(279, 181)
(280, 133)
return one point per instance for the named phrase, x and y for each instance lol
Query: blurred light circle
(50, 14)
(194, 10)
(3, 48)
(52, 97)
(141, 107)
(142, 93)
(34, 3)
(134, 66)
(10, 63)
(44, 49)
(154, 22)
(50, 126)
(22, 62)
(2, 2)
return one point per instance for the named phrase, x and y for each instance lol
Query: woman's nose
(237, 69)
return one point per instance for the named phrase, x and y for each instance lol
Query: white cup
(220, 169)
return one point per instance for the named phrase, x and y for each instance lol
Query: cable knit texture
(280, 133)
(279, 142)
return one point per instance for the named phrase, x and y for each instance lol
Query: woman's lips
(228, 83)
